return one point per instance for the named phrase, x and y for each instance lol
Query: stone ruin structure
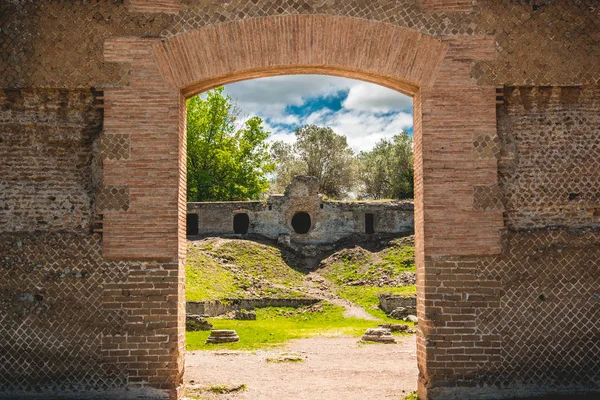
(301, 215)
(92, 180)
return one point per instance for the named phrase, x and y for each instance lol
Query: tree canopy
(224, 162)
(387, 171)
(319, 152)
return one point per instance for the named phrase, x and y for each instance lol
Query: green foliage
(319, 152)
(387, 171)
(275, 326)
(224, 163)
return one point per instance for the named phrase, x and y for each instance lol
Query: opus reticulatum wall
(92, 170)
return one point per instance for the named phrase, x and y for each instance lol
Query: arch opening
(301, 222)
(241, 223)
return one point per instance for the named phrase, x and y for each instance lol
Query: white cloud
(369, 112)
(364, 129)
(369, 97)
(270, 96)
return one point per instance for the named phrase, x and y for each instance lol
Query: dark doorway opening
(301, 222)
(191, 224)
(369, 224)
(241, 223)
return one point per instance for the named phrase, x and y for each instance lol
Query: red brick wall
(493, 296)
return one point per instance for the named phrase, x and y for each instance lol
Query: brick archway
(143, 146)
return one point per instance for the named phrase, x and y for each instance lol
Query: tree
(224, 163)
(387, 171)
(319, 152)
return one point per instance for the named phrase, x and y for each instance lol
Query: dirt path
(319, 287)
(333, 369)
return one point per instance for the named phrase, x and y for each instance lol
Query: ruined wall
(522, 322)
(330, 220)
(528, 319)
(71, 322)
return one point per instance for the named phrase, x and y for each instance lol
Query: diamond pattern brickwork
(52, 315)
(550, 161)
(534, 46)
(115, 147)
(113, 198)
(549, 310)
(72, 321)
(488, 197)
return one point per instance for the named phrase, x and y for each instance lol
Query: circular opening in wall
(301, 222)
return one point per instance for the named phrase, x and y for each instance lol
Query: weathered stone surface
(398, 328)
(247, 315)
(402, 312)
(382, 335)
(195, 322)
(389, 302)
(331, 221)
(222, 336)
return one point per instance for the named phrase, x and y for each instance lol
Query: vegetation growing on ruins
(219, 269)
(229, 268)
(319, 152)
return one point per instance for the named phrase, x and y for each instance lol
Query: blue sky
(363, 112)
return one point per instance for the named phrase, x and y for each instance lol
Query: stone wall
(213, 308)
(506, 207)
(330, 220)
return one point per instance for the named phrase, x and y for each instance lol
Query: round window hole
(301, 222)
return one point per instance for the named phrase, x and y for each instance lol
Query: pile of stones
(381, 335)
(222, 336)
(194, 322)
(404, 313)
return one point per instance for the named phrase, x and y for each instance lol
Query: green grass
(275, 326)
(260, 261)
(360, 265)
(251, 268)
(368, 298)
(206, 279)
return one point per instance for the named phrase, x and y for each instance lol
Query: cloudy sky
(363, 112)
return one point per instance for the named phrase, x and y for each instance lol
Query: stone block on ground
(402, 312)
(381, 335)
(222, 336)
(245, 315)
(398, 328)
(194, 322)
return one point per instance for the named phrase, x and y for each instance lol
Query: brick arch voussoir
(392, 56)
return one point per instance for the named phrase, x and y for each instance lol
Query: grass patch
(251, 270)
(207, 279)
(357, 266)
(275, 326)
(368, 298)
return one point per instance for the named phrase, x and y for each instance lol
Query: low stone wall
(213, 308)
(329, 221)
(389, 302)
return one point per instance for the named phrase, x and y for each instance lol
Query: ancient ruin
(92, 180)
(301, 215)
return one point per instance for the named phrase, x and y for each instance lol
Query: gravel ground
(332, 368)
